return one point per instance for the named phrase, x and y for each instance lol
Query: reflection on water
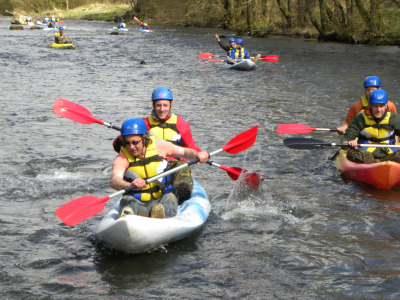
(305, 231)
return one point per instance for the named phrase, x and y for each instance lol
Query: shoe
(126, 211)
(157, 211)
(256, 58)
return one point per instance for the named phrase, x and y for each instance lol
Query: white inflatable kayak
(116, 30)
(135, 234)
(244, 65)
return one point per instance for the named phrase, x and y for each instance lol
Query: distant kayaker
(239, 53)
(121, 25)
(52, 23)
(60, 37)
(227, 48)
(141, 157)
(28, 19)
(144, 25)
(371, 83)
(374, 125)
(46, 19)
(165, 125)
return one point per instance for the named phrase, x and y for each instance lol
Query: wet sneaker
(157, 211)
(256, 58)
(126, 211)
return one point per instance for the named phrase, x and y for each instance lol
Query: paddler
(144, 25)
(375, 124)
(227, 48)
(60, 37)
(239, 53)
(52, 23)
(165, 125)
(121, 25)
(371, 83)
(143, 156)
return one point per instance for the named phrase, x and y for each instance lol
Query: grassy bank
(97, 11)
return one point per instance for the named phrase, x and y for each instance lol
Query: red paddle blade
(233, 172)
(206, 55)
(253, 179)
(80, 209)
(242, 141)
(293, 128)
(270, 58)
(73, 111)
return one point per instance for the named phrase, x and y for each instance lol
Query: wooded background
(351, 21)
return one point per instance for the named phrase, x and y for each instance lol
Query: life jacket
(59, 38)
(121, 25)
(167, 130)
(364, 102)
(145, 26)
(375, 132)
(150, 165)
(239, 54)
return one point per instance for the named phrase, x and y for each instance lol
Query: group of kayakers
(372, 120)
(147, 147)
(235, 51)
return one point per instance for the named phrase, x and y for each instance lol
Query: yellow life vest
(364, 102)
(58, 38)
(166, 131)
(150, 165)
(239, 54)
(375, 132)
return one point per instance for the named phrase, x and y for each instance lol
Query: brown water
(307, 233)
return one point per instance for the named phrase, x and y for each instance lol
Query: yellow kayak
(62, 46)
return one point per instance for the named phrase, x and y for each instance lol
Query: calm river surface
(306, 234)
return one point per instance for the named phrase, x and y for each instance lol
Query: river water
(307, 233)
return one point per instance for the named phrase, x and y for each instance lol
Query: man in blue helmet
(373, 125)
(371, 83)
(143, 156)
(239, 53)
(227, 48)
(144, 25)
(60, 37)
(121, 24)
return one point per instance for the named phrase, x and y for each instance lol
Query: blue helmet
(161, 93)
(144, 21)
(378, 96)
(239, 41)
(372, 81)
(231, 40)
(61, 28)
(133, 126)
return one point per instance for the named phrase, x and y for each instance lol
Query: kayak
(244, 65)
(384, 175)
(145, 30)
(136, 234)
(119, 30)
(62, 46)
(51, 28)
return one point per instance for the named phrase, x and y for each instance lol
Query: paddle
(252, 179)
(221, 60)
(311, 144)
(270, 58)
(299, 128)
(80, 114)
(85, 207)
(75, 112)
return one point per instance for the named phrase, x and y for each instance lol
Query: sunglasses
(134, 143)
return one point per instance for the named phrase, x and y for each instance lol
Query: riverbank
(114, 13)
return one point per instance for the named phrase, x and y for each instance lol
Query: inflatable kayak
(145, 30)
(244, 65)
(52, 28)
(62, 46)
(119, 30)
(136, 234)
(384, 175)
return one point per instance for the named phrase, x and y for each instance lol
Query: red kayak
(384, 175)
